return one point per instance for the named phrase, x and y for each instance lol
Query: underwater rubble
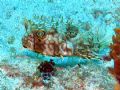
(82, 77)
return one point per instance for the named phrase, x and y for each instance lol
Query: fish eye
(41, 34)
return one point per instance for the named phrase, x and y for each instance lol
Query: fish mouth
(28, 42)
(24, 42)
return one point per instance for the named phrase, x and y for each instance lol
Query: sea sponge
(115, 54)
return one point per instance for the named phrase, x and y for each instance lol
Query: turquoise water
(97, 16)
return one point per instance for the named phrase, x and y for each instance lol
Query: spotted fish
(53, 44)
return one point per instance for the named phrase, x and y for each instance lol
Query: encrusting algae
(115, 55)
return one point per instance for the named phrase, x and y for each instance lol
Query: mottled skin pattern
(49, 43)
(53, 44)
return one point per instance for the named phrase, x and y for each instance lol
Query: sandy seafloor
(14, 58)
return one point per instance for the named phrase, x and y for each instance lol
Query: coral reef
(47, 32)
(47, 70)
(115, 54)
(71, 31)
(10, 71)
(81, 78)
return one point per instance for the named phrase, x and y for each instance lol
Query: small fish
(40, 42)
